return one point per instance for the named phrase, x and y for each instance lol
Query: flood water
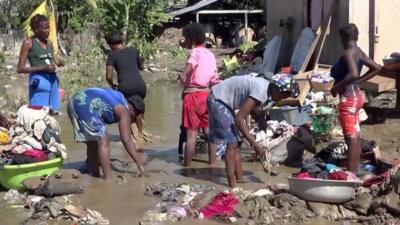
(125, 203)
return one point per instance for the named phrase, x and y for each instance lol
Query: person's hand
(51, 68)
(259, 150)
(142, 172)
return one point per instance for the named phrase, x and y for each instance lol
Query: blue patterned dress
(91, 109)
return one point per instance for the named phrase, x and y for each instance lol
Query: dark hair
(349, 32)
(36, 20)
(137, 103)
(114, 38)
(195, 32)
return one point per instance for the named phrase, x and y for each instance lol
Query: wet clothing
(339, 71)
(43, 86)
(43, 90)
(234, 91)
(222, 124)
(126, 62)
(349, 108)
(351, 100)
(194, 110)
(91, 109)
(39, 56)
(204, 68)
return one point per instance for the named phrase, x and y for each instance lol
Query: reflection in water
(163, 111)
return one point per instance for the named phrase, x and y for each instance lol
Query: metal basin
(328, 191)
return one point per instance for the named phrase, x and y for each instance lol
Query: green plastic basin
(12, 176)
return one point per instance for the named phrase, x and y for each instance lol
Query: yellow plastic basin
(12, 176)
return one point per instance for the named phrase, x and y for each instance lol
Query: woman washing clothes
(243, 93)
(43, 81)
(347, 79)
(89, 111)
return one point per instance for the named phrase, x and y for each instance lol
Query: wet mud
(122, 200)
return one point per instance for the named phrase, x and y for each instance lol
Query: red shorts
(349, 108)
(194, 110)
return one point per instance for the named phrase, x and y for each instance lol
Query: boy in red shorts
(199, 74)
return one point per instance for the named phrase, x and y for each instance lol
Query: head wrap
(286, 84)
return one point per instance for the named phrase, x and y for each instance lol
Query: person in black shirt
(127, 62)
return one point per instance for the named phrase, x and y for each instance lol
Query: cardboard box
(304, 86)
(322, 86)
(379, 84)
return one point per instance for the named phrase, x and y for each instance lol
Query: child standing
(43, 81)
(199, 74)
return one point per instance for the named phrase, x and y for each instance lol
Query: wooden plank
(318, 41)
(324, 32)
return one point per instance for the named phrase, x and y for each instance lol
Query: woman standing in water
(89, 111)
(126, 61)
(43, 81)
(347, 79)
(199, 74)
(243, 93)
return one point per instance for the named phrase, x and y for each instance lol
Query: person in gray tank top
(243, 93)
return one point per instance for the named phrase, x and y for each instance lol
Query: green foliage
(14, 12)
(83, 69)
(73, 15)
(135, 18)
(246, 46)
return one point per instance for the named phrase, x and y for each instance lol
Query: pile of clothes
(317, 169)
(34, 136)
(284, 143)
(320, 76)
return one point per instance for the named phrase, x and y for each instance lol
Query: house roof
(191, 8)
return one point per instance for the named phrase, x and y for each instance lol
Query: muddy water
(125, 203)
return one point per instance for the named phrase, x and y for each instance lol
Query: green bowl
(12, 176)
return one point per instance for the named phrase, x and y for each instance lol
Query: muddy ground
(125, 203)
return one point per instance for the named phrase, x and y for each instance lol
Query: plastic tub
(12, 176)
(328, 191)
(294, 115)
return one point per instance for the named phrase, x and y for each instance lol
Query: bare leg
(93, 158)
(190, 146)
(230, 159)
(353, 153)
(212, 150)
(104, 156)
(139, 124)
(238, 166)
